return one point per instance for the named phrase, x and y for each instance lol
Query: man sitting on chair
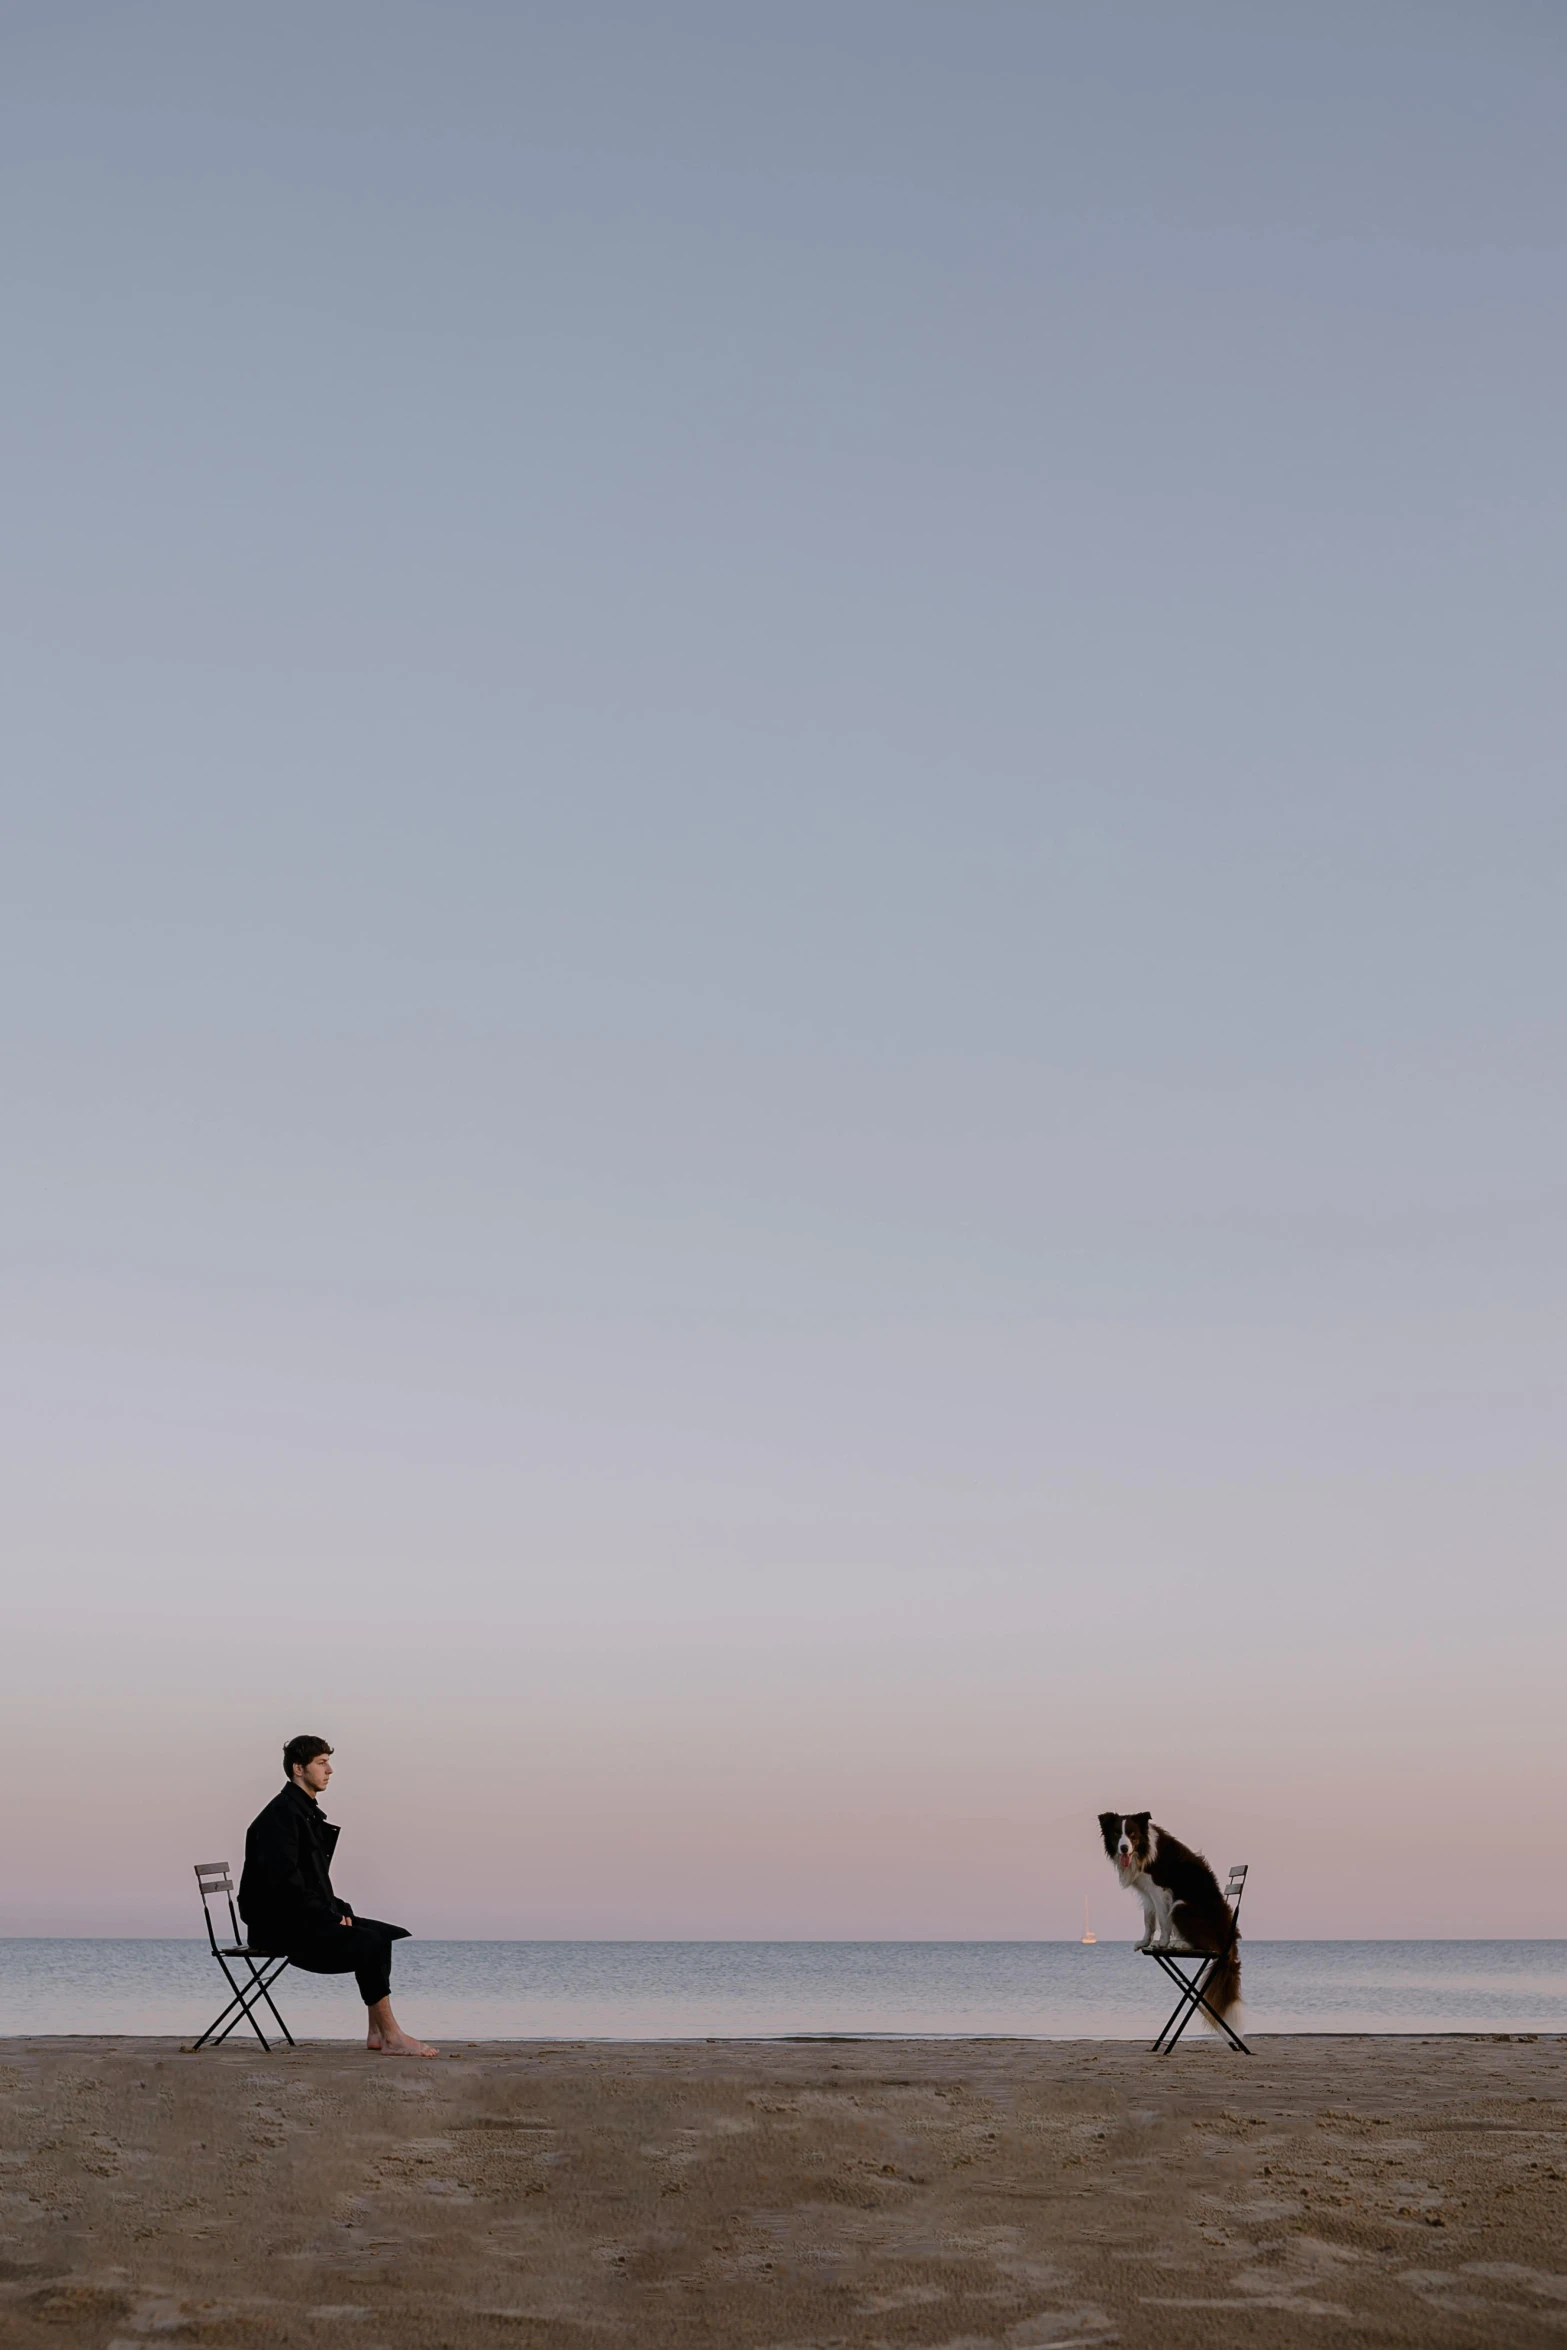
(287, 1901)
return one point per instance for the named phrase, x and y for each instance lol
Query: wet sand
(790, 2195)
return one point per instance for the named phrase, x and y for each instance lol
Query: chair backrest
(1235, 1888)
(215, 1884)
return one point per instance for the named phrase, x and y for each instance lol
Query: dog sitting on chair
(1183, 1907)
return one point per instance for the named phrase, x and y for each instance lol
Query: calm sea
(694, 1990)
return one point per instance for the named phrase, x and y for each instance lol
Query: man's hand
(345, 1921)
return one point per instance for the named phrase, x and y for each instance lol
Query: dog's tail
(1224, 1990)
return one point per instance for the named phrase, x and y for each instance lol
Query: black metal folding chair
(212, 1876)
(1194, 1977)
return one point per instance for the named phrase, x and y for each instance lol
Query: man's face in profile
(315, 1773)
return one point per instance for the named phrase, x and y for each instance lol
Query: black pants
(363, 1950)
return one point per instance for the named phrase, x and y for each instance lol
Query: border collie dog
(1182, 1905)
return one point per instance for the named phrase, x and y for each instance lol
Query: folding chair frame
(1193, 1980)
(214, 1881)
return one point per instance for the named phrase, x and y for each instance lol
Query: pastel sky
(782, 894)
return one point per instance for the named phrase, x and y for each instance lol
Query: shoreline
(453, 2044)
(784, 2194)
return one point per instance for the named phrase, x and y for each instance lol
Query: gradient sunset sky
(782, 892)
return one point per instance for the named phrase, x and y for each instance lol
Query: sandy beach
(793, 2195)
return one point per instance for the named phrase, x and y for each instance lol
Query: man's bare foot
(399, 2044)
(386, 2036)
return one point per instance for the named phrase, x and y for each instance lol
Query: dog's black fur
(1182, 1903)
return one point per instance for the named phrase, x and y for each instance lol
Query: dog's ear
(1110, 1829)
(1139, 1818)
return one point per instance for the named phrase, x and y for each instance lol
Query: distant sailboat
(1088, 1933)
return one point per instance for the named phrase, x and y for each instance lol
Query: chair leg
(1194, 1994)
(236, 2012)
(1199, 1998)
(1175, 2023)
(1165, 2041)
(1233, 2037)
(264, 1982)
(1195, 1986)
(257, 1990)
(234, 2009)
(245, 1998)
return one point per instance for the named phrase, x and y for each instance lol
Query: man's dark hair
(302, 1751)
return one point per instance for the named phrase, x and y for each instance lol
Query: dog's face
(1126, 1839)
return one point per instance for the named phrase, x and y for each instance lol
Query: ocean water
(705, 1990)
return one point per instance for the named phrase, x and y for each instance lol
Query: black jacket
(286, 1887)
